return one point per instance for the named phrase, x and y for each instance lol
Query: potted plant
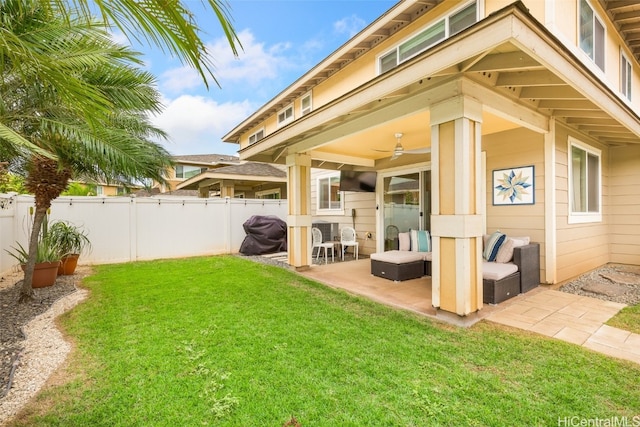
(71, 241)
(47, 262)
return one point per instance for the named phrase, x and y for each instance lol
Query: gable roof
(248, 171)
(252, 168)
(205, 159)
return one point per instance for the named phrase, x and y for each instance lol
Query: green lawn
(628, 319)
(224, 341)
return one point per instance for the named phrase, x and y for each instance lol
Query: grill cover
(266, 234)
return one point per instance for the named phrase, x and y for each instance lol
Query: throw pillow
(420, 241)
(494, 242)
(424, 242)
(414, 240)
(505, 253)
(404, 240)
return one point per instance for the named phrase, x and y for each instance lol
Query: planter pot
(68, 265)
(44, 274)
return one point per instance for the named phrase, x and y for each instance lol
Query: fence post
(227, 228)
(133, 229)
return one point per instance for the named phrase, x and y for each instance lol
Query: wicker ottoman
(496, 291)
(398, 265)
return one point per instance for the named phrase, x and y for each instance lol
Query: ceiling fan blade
(426, 150)
(381, 151)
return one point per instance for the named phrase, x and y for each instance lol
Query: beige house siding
(510, 149)
(363, 203)
(624, 198)
(580, 247)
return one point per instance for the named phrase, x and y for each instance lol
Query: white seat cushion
(497, 270)
(398, 257)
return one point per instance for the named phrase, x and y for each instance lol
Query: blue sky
(281, 39)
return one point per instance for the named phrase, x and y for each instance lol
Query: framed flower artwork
(515, 186)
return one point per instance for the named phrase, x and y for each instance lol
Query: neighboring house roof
(249, 171)
(205, 159)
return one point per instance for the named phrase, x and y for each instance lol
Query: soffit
(625, 16)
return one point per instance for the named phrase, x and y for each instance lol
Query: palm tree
(170, 25)
(106, 137)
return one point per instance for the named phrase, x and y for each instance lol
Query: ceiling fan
(399, 149)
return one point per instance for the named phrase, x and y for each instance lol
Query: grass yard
(224, 341)
(628, 319)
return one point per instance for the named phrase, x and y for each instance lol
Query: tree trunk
(46, 180)
(27, 288)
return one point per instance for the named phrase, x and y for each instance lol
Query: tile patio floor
(568, 317)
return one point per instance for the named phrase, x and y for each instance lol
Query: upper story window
(329, 195)
(253, 138)
(584, 183)
(592, 34)
(186, 171)
(625, 76)
(424, 39)
(285, 115)
(306, 104)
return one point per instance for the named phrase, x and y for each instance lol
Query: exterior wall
(509, 149)
(580, 247)
(363, 203)
(624, 199)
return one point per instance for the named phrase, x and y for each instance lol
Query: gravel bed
(31, 347)
(612, 282)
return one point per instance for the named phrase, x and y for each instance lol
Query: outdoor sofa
(513, 269)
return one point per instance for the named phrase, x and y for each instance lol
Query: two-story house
(442, 100)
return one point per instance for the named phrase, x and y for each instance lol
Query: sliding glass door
(406, 204)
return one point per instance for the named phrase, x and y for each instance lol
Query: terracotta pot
(44, 274)
(68, 265)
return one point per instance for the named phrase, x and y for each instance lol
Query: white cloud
(350, 25)
(177, 80)
(196, 124)
(255, 63)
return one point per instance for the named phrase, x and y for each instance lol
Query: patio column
(227, 189)
(299, 219)
(456, 221)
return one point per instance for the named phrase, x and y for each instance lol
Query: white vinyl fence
(123, 229)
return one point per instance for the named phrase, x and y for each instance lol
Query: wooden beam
(581, 113)
(567, 104)
(341, 158)
(529, 78)
(550, 92)
(506, 61)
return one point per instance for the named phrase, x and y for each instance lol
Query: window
(329, 196)
(591, 34)
(446, 27)
(625, 76)
(584, 183)
(285, 115)
(274, 193)
(256, 136)
(185, 171)
(305, 104)
(99, 190)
